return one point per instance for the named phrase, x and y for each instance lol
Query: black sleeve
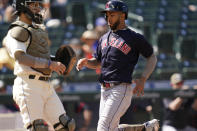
(144, 48)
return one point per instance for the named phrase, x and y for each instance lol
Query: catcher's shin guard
(136, 127)
(38, 125)
(65, 123)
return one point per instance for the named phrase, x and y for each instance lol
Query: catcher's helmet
(22, 6)
(116, 5)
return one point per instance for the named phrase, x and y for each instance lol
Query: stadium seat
(79, 20)
(188, 49)
(189, 69)
(139, 67)
(3, 29)
(165, 43)
(166, 66)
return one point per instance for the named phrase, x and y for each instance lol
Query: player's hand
(57, 67)
(81, 63)
(139, 88)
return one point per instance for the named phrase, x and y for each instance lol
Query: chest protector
(38, 45)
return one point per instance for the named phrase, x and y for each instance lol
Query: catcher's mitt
(67, 56)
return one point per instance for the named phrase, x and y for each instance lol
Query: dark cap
(116, 5)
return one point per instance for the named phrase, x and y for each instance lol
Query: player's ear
(123, 15)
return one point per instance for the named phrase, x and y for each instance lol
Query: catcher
(28, 44)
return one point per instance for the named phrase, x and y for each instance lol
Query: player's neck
(121, 26)
(24, 19)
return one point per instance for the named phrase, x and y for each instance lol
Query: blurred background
(169, 25)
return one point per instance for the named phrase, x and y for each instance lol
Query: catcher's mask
(26, 6)
(116, 5)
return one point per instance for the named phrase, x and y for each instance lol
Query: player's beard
(115, 25)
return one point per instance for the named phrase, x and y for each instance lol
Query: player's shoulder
(134, 32)
(19, 33)
(103, 37)
(137, 35)
(106, 34)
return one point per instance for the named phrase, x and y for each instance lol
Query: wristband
(49, 63)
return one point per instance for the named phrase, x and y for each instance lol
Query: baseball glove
(67, 56)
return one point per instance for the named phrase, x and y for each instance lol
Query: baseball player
(117, 54)
(27, 42)
(178, 110)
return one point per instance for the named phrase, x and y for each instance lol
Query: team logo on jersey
(117, 43)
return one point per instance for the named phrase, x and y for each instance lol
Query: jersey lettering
(125, 49)
(117, 43)
(113, 39)
(104, 44)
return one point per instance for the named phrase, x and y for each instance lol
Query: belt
(42, 78)
(109, 85)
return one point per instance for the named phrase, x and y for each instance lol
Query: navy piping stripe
(26, 102)
(118, 106)
(104, 104)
